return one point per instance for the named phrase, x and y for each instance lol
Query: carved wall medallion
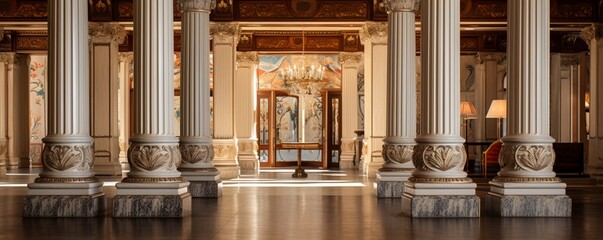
(397, 153)
(438, 157)
(195, 153)
(154, 157)
(57, 158)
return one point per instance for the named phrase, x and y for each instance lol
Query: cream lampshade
(467, 112)
(498, 110)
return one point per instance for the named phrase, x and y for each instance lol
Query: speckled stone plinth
(389, 189)
(152, 205)
(528, 205)
(208, 189)
(64, 205)
(426, 206)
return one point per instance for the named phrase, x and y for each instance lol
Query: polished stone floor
(326, 205)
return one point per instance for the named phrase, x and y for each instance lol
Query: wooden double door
(284, 118)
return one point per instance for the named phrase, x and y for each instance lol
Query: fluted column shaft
(245, 99)
(401, 91)
(68, 145)
(350, 63)
(153, 152)
(195, 136)
(527, 149)
(439, 153)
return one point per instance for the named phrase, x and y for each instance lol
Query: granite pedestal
(64, 200)
(152, 200)
(454, 200)
(390, 184)
(528, 200)
(204, 184)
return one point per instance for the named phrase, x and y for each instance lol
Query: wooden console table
(299, 171)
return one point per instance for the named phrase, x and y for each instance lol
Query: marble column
(67, 186)
(6, 60)
(350, 62)
(439, 187)
(374, 38)
(104, 42)
(401, 103)
(225, 38)
(153, 187)
(594, 163)
(14, 74)
(526, 185)
(124, 114)
(245, 96)
(195, 137)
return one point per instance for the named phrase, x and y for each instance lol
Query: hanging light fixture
(304, 78)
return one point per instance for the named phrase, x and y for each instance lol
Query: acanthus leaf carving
(67, 157)
(154, 157)
(438, 158)
(397, 153)
(194, 153)
(535, 158)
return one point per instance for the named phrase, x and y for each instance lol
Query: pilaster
(401, 100)
(374, 37)
(195, 138)
(6, 62)
(350, 62)
(153, 187)
(594, 163)
(125, 66)
(67, 179)
(225, 39)
(489, 85)
(526, 184)
(439, 187)
(245, 95)
(104, 42)
(14, 74)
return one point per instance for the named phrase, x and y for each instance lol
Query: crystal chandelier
(308, 79)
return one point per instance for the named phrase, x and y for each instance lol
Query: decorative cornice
(107, 31)
(196, 5)
(350, 58)
(247, 57)
(224, 32)
(402, 5)
(375, 32)
(570, 60)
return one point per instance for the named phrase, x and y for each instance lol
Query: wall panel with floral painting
(37, 107)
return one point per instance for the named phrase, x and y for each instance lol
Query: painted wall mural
(37, 107)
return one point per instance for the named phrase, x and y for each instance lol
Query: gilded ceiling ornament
(194, 153)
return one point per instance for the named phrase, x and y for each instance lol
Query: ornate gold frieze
(397, 153)
(439, 157)
(27, 10)
(57, 158)
(572, 9)
(194, 153)
(323, 43)
(31, 43)
(527, 157)
(154, 157)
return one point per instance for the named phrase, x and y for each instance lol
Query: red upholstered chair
(490, 156)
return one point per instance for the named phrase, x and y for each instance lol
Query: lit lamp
(498, 110)
(467, 112)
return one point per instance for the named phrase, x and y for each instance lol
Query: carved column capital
(482, 57)
(7, 58)
(196, 5)
(374, 32)
(354, 59)
(247, 57)
(126, 56)
(224, 32)
(570, 59)
(520, 162)
(107, 31)
(594, 31)
(402, 5)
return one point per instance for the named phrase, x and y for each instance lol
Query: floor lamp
(498, 110)
(467, 112)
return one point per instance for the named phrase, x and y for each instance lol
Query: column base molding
(249, 165)
(225, 158)
(440, 200)
(228, 170)
(205, 184)
(528, 205)
(346, 161)
(390, 184)
(92, 205)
